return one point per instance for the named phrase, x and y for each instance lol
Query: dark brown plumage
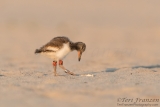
(58, 43)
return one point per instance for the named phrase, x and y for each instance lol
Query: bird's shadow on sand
(134, 67)
(111, 69)
(149, 67)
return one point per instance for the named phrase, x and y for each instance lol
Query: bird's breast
(63, 51)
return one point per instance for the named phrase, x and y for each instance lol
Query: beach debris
(88, 75)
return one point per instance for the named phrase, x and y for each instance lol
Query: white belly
(59, 54)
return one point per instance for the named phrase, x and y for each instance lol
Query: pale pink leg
(65, 70)
(55, 67)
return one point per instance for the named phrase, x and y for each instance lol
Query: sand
(121, 59)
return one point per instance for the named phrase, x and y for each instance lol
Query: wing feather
(52, 48)
(55, 44)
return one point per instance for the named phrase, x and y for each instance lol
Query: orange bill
(79, 55)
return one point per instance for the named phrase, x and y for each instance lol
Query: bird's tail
(37, 51)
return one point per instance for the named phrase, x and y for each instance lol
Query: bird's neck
(74, 46)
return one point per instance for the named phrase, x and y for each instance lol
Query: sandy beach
(120, 66)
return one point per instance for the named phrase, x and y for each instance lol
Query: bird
(58, 48)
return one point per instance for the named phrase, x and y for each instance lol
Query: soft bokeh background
(100, 24)
(122, 36)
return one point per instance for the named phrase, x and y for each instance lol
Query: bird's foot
(55, 74)
(69, 72)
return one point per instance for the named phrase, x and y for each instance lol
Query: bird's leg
(55, 66)
(65, 70)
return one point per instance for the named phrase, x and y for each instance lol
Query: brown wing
(58, 42)
(55, 44)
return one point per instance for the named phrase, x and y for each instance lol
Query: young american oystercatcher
(58, 48)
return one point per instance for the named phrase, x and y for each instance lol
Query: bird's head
(81, 47)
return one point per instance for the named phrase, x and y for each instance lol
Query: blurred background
(118, 33)
(132, 25)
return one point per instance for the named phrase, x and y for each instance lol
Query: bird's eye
(82, 47)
